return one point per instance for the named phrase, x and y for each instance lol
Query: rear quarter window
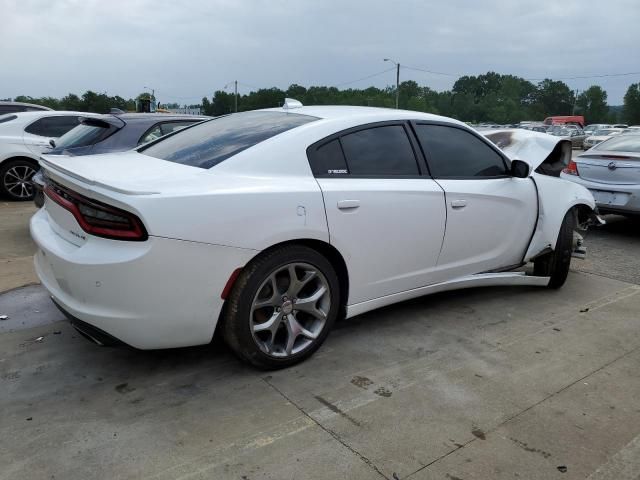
(209, 143)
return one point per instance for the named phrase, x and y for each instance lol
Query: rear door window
(211, 142)
(53, 126)
(379, 151)
(455, 153)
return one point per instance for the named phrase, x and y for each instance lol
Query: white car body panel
(379, 226)
(493, 227)
(15, 142)
(469, 281)
(399, 238)
(93, 282)
(552, 192)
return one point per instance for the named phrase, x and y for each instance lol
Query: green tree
(592, 103)
(553, 97)
(631, 109)
(207, 107)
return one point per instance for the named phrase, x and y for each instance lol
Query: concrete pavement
(478, 384)
(485, 383)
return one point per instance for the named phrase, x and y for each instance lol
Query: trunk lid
(130, 173)
(619, 168)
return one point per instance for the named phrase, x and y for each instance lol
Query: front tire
(282, 307)
(556, 264)
(15, 179)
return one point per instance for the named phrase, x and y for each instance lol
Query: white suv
(23, 137)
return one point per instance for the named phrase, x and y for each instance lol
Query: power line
(365, 78)
(590, 76)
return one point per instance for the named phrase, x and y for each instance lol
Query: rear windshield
(82, 136)
(209, 143)
(621, 143)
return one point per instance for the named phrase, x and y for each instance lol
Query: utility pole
(235, 94)
(397, 80)
(575, 100)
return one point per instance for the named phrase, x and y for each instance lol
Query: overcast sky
(189, 48)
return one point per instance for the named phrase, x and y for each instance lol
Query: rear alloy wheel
(282, 307)
(556, 264)
(15, 179)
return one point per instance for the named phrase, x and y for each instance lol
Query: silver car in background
(611, 172)
(600, 136)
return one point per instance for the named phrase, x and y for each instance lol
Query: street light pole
(397, 80)
(235, 95)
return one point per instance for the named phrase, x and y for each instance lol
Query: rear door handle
(458, 203)
(348, 204)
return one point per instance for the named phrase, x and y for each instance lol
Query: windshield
(621, 143)
(81, 136)
(209, 143)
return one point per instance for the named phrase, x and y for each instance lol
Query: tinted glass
(7, 118)
(211, 142)
(52, 126)
(379, 151)
(453, 152)
(81, 136)
(328, 159)
(621, 143)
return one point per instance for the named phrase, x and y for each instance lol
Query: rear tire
(556, 264)
(282, 307)
(15, 179)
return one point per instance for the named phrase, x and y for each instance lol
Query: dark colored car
(14, 107)
(114, 133)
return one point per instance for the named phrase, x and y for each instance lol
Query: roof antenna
(290, 103)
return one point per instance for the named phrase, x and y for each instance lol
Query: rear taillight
(95, 217)
(572, 168)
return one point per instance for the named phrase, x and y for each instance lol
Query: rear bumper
(161, 293)
(628, 202)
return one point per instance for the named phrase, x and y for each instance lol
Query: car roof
(50, 113)
(372, 114)
(24, 104)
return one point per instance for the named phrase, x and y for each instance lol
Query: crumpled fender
(556, 197)
(547, 153)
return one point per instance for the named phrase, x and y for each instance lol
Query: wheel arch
(331, 253)
(26, 158)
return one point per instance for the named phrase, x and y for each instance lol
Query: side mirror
(519, 169)
(52, 142)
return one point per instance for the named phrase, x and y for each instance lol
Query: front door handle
(348, 204)
(458, 203)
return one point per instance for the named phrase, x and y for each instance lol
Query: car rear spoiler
(105, 121)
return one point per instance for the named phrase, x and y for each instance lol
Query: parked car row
(25, 135)
(611, 172)
(269, 225)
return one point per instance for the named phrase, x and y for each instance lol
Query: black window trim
(423, 171)
(486, 141)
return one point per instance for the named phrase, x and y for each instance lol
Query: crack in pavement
(629, 352)
(362, 457)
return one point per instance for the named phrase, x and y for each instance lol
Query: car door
(491, 215)
(384, 214)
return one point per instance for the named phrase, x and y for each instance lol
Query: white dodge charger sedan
(271, 224)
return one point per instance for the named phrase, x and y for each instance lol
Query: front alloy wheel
(16, 180)
(282, 307)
